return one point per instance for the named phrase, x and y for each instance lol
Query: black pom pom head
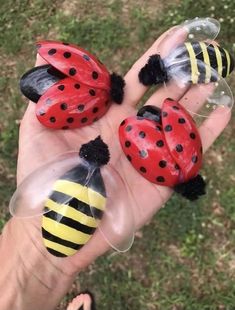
(192, 189)
(154, 72)
(95, 152)
(117, 88)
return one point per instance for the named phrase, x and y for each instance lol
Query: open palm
(39, 145)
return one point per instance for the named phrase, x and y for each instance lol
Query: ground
(184, 258)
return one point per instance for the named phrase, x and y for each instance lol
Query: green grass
(184, 259)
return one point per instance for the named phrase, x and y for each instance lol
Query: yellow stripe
(80, 192)
(64, 232)
(219, 60)
(59, 248)
(228, 61)
(206, 61)
(193, 60)
(71, 213)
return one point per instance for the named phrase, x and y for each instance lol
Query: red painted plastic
(167, 153)
(79, 99)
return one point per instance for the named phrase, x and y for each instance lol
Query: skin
(81, 300)
(31, 277)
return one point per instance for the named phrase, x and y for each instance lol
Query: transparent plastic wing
(31, 196)
(202, 29)
(117, 224)
(216, 95)
(195, 30)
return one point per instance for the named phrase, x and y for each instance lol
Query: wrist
(30, 278)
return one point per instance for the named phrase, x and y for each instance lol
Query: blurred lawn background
(185, 258)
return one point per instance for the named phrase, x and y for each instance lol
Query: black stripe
(224, 61)
(76, 204)
(79, 175)
(49, 236)
(213, 62)
(69, 222)
(231, 63)
(56, 253)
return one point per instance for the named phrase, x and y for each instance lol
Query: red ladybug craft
(73, 89)
(164, 145)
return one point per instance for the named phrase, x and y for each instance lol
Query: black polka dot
(86, 57)
(92, 92)
(65, 43)
(127, 144)
(143, 153)
(81, 107)
(162, 163)
(201, 150)
(95, 75)
(175, 107)
(95, 110)
(48, 101)
(179, 148)
(164, 114)
(142, 169)
(181, 120)
(192, 135)
(160, 179)
(42, 112)
(72, 71)
(70, 120)
(159, 128)
(194, 159)
(177, 167)
(128, 157)
(65, 127)
(52, 119)
(168, 128)
(52, 51)
(77, 86)
(128, 128)
(160, 143)
(84, 119)
(61, 87)
(123, 122)
(67, 55)
(169, 99)
(95, 119)
(142, 134)
(63, 106)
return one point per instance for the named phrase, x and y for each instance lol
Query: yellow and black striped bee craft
(196, 60)
(191, 62)
(69, 219)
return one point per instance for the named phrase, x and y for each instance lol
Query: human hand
(39, 145)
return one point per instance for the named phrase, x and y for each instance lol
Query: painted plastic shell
(165, 152)
(73, 89)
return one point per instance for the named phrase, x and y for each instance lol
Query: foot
(81, 302)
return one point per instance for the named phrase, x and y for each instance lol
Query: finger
(194, 99)
(134, 90)
(212, 127)
(171, 90)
